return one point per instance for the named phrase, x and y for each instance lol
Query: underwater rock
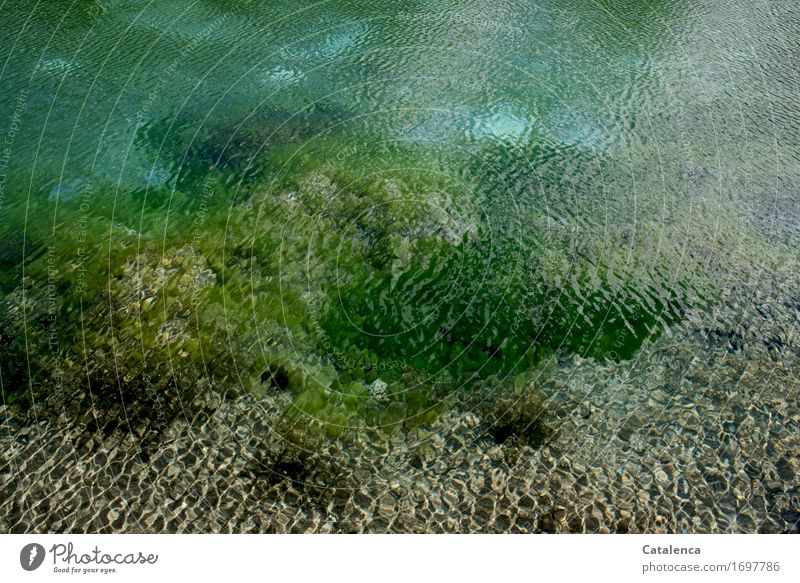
(143, 347)
(378, 390)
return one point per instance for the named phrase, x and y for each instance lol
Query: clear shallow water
(420, 193)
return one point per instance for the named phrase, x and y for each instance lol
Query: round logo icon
(31, 556)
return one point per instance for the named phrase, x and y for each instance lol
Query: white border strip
(376, 558)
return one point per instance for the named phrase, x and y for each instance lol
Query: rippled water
(457, 189)
(635, 129)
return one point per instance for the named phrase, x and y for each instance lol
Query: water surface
(377, 206)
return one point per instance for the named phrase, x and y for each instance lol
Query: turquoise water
(419, 192)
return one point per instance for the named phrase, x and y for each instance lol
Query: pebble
(462, 477)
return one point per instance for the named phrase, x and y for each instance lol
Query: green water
(424, 193)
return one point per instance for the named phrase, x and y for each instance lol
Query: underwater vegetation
(372, 303)
(355, 299)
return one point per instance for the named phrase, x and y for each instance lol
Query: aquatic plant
(368, 302)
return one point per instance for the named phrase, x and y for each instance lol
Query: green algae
(360, 298)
